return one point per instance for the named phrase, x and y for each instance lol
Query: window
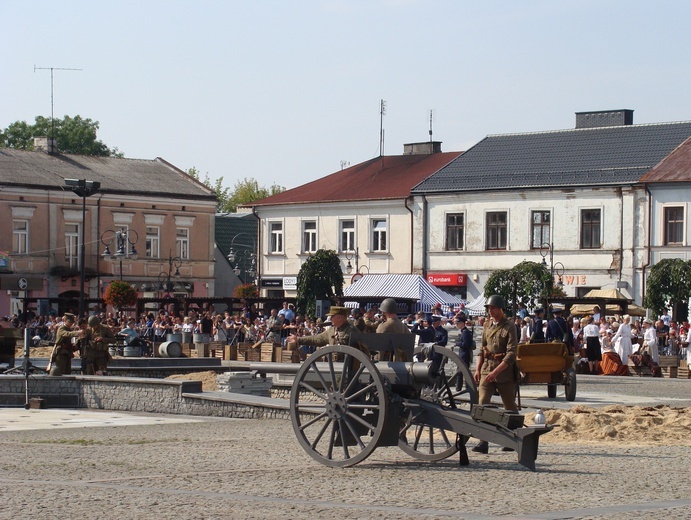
(454, 232)
(182, 243)
(539, 229)
(590, 228)
(276, 237)
(153, 242)
(378, 235)
(72, 232)
(20, 237)
(674, 225)
(309, 237)
(496, 230)
(347, 235)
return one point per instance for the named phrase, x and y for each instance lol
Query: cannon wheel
(338, 406)
(570, 384)
(424, 442)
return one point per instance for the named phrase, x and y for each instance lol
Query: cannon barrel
(409, 374)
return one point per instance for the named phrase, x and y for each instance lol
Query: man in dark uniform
(64, 348)
(497, 360)
(441, 335)
(537, 335)
(464, 341)
(559, 330)
(338, 334)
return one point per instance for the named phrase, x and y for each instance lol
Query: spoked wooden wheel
(338, 405)
(454, 388)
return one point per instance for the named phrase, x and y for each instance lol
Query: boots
(481, 447)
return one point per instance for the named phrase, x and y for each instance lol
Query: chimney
(602, 118)
(426, 148)
(44, 144)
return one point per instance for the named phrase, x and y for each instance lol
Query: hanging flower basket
(120, 294)
(248, 290)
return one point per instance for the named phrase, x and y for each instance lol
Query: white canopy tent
(477, 306)
(404, 286)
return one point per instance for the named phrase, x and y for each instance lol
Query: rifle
(52, 356)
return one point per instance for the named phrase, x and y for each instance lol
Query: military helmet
(94, 321)
(495, 301)
(388, 305)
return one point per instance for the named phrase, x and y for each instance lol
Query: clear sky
(284, 91)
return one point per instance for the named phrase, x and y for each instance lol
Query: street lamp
(84, 189)
(124, 243)
(172, 262)
(243, 257)
(557, 267)
(350, 255)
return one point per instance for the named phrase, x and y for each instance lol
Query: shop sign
(447, 279)
(272, 282)
(290, 283)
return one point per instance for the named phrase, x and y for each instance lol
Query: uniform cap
(69, 316)
(343, 311)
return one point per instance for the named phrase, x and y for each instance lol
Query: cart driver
(496, 364)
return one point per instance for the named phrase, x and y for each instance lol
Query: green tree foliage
(73, 134)
(245, 191)
(669, 283)
(528, 283)
(320, 278)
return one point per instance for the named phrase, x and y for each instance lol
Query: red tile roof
(388, 177)
(676, 167)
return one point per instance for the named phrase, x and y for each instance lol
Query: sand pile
(207, 378)
(637, 425)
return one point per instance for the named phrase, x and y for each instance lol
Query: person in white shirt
(622, 340)
(650, 340)
(591, 337)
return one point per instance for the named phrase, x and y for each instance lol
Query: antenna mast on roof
(382, 112)
(52, 119)
(430, 125)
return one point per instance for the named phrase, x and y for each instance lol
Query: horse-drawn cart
(549, 363)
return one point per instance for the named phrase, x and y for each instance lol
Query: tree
(528, 283)
(320, 278)
(73, 134)
(245, 191)
(669, 284)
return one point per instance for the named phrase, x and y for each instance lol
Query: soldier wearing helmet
(392, 325)
(96, 351)
(61, 359)
(497, 360)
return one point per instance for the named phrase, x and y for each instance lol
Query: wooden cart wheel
(552, 390)
(570, 384)
(454, 389)
(338, 406)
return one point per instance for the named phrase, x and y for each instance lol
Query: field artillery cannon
(343, 405)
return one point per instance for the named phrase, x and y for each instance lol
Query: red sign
(356, 277)
(447, 279)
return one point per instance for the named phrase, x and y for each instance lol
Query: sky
(286, 92)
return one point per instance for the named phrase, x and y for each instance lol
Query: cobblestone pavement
(254, 469)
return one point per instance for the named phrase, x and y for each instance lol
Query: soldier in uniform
(64, 348)
(496, 365)
(371, 323)
(96, 354)
(357, 320)
(338, 334)
(392, 325)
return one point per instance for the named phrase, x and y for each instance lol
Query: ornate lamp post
(124, 240)
(557, 267)
(84, 189)
(352, 255)
(175, 262)
(245, 260)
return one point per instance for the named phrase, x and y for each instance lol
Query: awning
(477, 306)
(404, 286)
